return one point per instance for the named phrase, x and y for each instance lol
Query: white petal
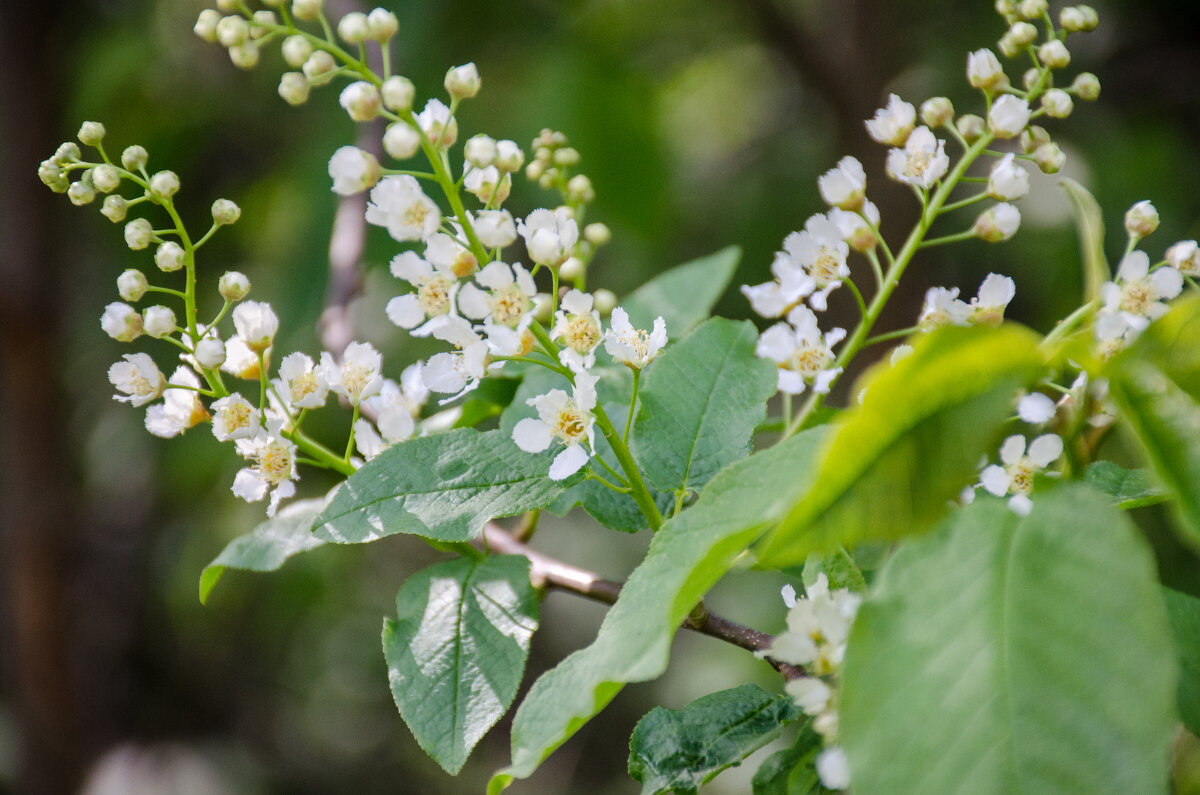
(1035, 408)
(473, 302)
(577, 303)
(833, 768)
(996, 291)
(532, 436)
(789, 595)
(995, 480)
(1045, 449)
(1012, 449)
(1020, 505)
(1134, 266)
(250, 485)
(410, 267)
(568, 462)
(1167, 283)
(766, 299)
(405, 311)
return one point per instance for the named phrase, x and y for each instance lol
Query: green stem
(350, 440)
(320, 452)
(862, 305)
(955, 238)
(637, 375)
(604, 482)
(964, 202)
(891, 335)
(1068, 324)
(640, 492)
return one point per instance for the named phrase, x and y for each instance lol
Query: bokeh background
(701, 125)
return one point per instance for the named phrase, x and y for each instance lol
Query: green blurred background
(700, 124)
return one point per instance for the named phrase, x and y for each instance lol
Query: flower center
(1022, 476)
(235, 416)
(434, 296)
(571, 423)
(810, 360)
(582, 333)
(415, 214)
(509, 304)
(1136, 298)
(275, 461)
(355, 378)
(826, 267)
(303, 385)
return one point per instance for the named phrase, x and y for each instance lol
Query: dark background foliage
(701, 125)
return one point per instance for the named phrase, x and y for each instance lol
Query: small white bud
(134, 158)
(91, 133)
(106, 178)
(604, 301)
(319, 68)
(294, 88)
(1184, 257)
(1086, 86)
(232, 31)
(296, 50)
(495, 228)
(1008, 116)
(158, 321)
(163, 185)
(352, 28)
(1054, 54)
(1023, 34)
(1142, 219)
(480, 151)
(597, 234)
(401, 141)
(572, 269)
(206, 25)
(998, 223)
(210, 353)
(382, 24)
(132, 284)
(121, 322)
(1032, 9)
(138, 234)
(1032, 137)
(984, 70)
(509, 157)
(1078, 19)
(353, 170)
(462, 82)
(307, 10)
(53, 177)
(233, 286)
(244, 55)
(261, 23)
(114, 208)
(1007, 9)
(169, 257)
(937, 112)
(361, 100)
(1008, 181)
(971, 127)
(225, 212)
(1049, 158)
(81, 193)
(1031, 78)
(1057, 103)
(579, 189)
(398, 93)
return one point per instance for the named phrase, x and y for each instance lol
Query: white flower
(577, 324)
(210, 353)
(121, 322)
(488, 185)
(821, 252)
(922, 161)
(810, 694)
(817, 628)
(256, 325)
(632, 347)
(1016, 476)
(998, 223)
(495, 228)
(449, 256)
(433, 295)
(138, 377)
(399, 204)
(803, 356)
(994, 296)
(568, 419)
(1113, 332)
(1008, 181)
(439, 126)
(984, 70)
(361, 100)
(1008, 116)
(181, 408)
(858, 228)
(942, 308)
(892, 124)
(1140, 296)
(792, 284)
(240, 360)
(273, 467)
(1184, 257)
(353, 170)
(1036, 408)
(549, 236)
(367, 439)
(234, 418)
(458, 372)
(300, 384)
(833, 768)
(397, 406)
(845, 186)
(358, 376)
(507, 300)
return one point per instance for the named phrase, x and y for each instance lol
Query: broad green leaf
(1089, 221)
(684, 295)
(1183, 611)
(457, 649)
(839, 569)
(894, 462)
(1007, 655)
(678, 750)
(1166, 422)
(791, 771)
(687, 556)
(1129, 488)
(268, 546)
(699, 404)
(444, 487)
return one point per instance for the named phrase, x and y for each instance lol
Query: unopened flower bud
(567, 156)
(1032, 137)
(1049, 158)
(361, 100)
(319, 68)
(121, 322)
(53, 177)
(401, 141)
(535, 170)
(984, 70)
(210, 353)
(1054, 54)
(232, 30)
(307, 10)
(398, 93)
(937, 112)
(158, 321)
(106, 178)
(1184, 257)
(81, 192)
(206, 25)
(462, 82)
(225, 212)
(572, 269)
(132, 284)
(1032, 9)
(1057, 103)
(597, 234)
(138, 234)
(244, 55)
(579, 189)
(480, 151)
(998, 223)
(604, 301)
(91, 133)
(509, 157)
(233, 286)
(353, 170)
(1022, 34)
(1078, 19)
(163, 185)
(1086, 86)
(114, 208)
(261, 23)
(1008, 116)
(296, 50)
(134, 158)
(294, 88)
(382, 24)
(971, 127)
(1008, 46)
(495, 228)
(169, 257)
(1008, 181)
(352, 28)
(1007, 9)
(1142, 219)
(68, 152)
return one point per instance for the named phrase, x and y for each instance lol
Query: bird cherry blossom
(1016, 476)
(568, 419)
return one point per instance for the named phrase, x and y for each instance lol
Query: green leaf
(1170, 344)
(268, 546)
(896, 461)
(678, 750)
(1089, 221)
(1129, 488)
(1183, 611)
(684, 295)
(839, 569)
(486, 402)
(687, 556)
(791, 771)
(457, 649)
(1009, 655)
(444, 487)
(699, 404)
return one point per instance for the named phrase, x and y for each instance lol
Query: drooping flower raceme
(1016, 476)
(568, 419)
(633, 347)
